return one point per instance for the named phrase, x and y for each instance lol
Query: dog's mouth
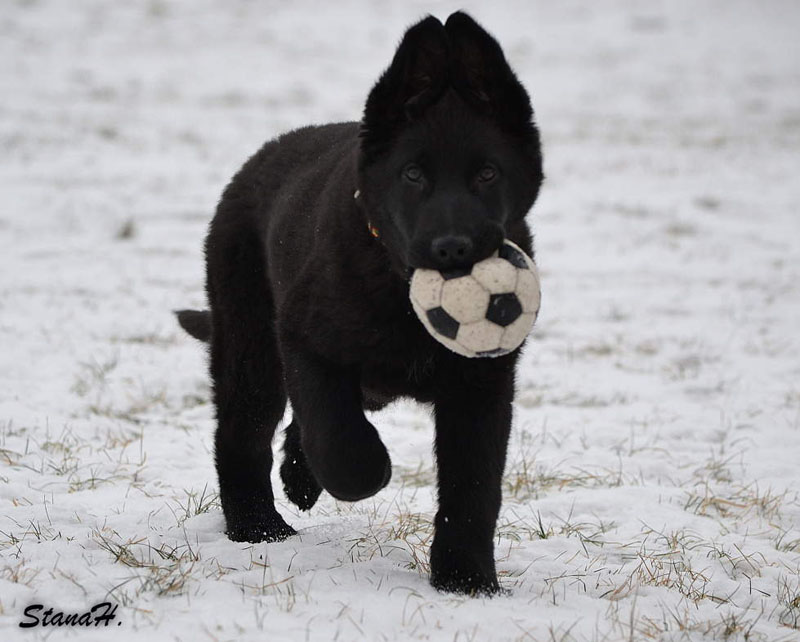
(454, 254)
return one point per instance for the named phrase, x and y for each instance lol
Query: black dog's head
(449, 155)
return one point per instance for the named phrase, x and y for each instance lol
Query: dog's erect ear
(483, 77)
(415, 79)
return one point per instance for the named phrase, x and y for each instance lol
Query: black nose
(452, 251)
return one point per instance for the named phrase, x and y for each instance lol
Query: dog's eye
(413, 173)
(487, 173)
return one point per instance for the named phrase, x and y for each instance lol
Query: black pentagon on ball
(513, 256)
(443, 323)
(504, 309)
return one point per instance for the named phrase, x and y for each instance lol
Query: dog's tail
(196, 322)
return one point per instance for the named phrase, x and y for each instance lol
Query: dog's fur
(307, 303)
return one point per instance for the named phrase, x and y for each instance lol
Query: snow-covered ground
(653, 486)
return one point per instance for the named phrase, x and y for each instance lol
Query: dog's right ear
(483, 76)
(415, 79)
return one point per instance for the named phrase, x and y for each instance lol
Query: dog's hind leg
(248, 381)
(301, 488)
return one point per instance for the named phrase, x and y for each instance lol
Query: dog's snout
(452, 250)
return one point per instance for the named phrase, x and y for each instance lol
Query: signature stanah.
(103, 613)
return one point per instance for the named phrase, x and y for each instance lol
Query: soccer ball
(486, 310)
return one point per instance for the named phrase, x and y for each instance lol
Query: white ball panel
(480, 336)
(496, 275)
(465, 299)
(421, 313)
(528, 291)
(515, 333)
(426, 288)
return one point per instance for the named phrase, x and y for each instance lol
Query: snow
(652, 484)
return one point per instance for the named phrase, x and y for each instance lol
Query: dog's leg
(250, 401)
(298, 482)
(342, 447)
(248, 384)
(473, 420)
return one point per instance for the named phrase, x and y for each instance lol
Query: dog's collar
(372, 229)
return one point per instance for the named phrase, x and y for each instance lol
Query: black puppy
(308, 261)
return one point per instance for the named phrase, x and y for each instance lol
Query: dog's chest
(399, 358)
(408, 378)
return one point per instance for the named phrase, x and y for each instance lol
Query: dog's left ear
(415, 79)
(483, 77)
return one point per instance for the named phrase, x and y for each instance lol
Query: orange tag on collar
(373, 230)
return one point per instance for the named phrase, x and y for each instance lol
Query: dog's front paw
(352, 465)
(273, 529)
(358, 479)
(458, 570)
